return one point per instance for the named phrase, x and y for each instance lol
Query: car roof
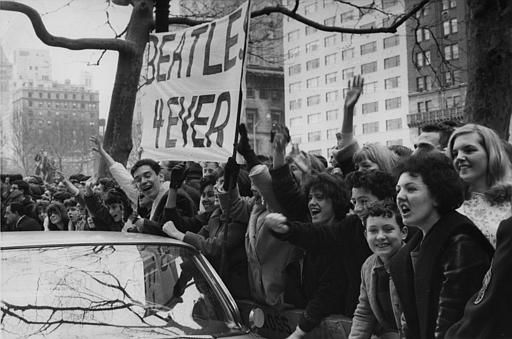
(56, 238)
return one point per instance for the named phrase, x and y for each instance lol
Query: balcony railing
(431, 117)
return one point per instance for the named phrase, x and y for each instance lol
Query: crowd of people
(409, 243)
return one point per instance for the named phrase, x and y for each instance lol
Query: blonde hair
(379, 154)
(499, 168)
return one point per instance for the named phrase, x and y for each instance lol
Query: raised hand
(178, 173)
(244, 148)
(231, 171)
(354, 91)
(97, 144)
(280, 137)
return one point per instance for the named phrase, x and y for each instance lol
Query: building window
(312, 64)
(330, 59)
(391, 41)
(422, 12)
(451, 52)
(293, 35)
(295, 104)
(276, 116)
(369, 67)
(295, 69)
(347, 73)
(447, 4)
(331, 96)
(330, 40)
(370, 107)
(251, 115)
(331, 115)
(314, 118)
(293, 53)
(347, 54)
(312, 46)
(311, 8)
(423, 83)
(347, 16)
(393, 124)
(295, 122)
(422, 34)
(371, 127)
(390, 83)
(313, 82)
(314, 136)
(370, 87)
(313, 100)
(310, 30)
(423, 58)
(393, 103)
(450, 26)
(263, 93)
(250, 93)
(368, 48)
(330, 78)
(330, 21)
(392, 62)
(294, 87)
(386, 4)
(448, 79)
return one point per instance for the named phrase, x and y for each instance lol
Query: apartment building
(318, 66)
(438, 43)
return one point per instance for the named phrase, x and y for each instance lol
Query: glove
(245, 149)
(178, 175)
(231, 171)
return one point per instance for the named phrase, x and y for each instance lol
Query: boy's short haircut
(386, 209)
(71, 202)
(155, 166)
(378, 183)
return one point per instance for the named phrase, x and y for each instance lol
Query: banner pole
(227, 218)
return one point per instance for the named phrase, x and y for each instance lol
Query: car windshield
(107, 291)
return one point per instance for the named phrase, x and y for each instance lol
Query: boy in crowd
(378, 311)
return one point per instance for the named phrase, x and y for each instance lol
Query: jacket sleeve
(464, 264)
(289, 194)
(240, 207)
(125, 180)
(322, 302)
(364, 321)
(262, 180)
(183, 223)
(212, 246)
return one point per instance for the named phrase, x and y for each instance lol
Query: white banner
(192, 97)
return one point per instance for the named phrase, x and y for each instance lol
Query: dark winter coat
(488, 314)
(435, 277)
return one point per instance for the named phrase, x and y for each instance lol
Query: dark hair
(149, 162)
(207, 180)
(16, 207)
(384, 208)
(322, 159)
(118, 196)
(61, 196)
(445, 130)
(244, 183)
(379, 183)
(438, 174)
(71, 202)
(108, 183)
(23, 186)
(61, 210)
(334, 188)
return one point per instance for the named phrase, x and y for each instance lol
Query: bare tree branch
(73, 44)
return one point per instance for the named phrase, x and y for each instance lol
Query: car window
(109, 291)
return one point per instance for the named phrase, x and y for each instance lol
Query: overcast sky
(71, 19)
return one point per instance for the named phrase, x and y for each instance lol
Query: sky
(70, 19)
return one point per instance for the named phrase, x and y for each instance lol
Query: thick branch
(293, 14)
(73, 44)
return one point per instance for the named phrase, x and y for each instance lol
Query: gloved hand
(245, 149)
(178, 173)
(231, 171)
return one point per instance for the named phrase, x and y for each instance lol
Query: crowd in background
(410, 243)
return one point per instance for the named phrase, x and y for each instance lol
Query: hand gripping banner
(194, 79)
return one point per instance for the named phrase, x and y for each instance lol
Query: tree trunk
(118, 135)
(489, 99)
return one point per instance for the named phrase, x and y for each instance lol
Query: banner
(194, 79)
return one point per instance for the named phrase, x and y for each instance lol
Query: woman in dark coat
(442, 266)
